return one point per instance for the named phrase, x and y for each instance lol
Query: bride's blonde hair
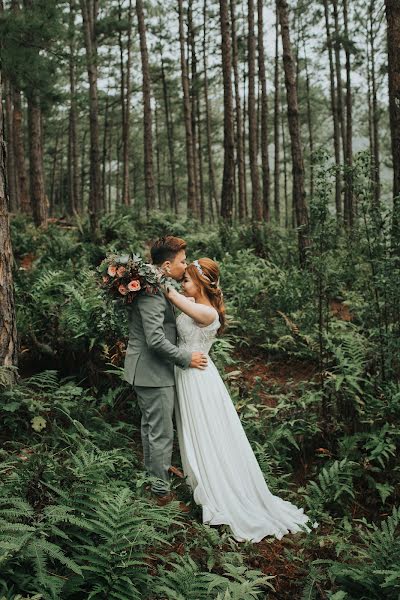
(205, 274)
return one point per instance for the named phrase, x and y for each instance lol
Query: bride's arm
(204, 315)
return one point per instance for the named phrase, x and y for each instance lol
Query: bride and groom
(167, 362)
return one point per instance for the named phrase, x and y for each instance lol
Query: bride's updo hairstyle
(205, 274)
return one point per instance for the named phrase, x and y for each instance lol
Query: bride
(217, 458)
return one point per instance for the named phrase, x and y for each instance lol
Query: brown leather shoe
(177, 472)
(167, 498)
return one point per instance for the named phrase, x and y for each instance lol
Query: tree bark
(348, 194)
(264, 114)
(299, 199)
(335, 114)
(239, 120)
(73, 168)
(105, 156)
(125, 102)
(170, 137)
(38, 200)
(338, 69)
(285, 172)
(159, 203)
(228, 180)
(193, 79)
(53, 172)
(12, 180)
(277, 208)
(126, 194)
(393, 43)
(257, 213)
(89, 15)
(212, 186)
(200, 154)
(147, 117)
(309, 115)
(375, 111)
(245, 121)
(8, 328)
(192, 199)
(22, 175)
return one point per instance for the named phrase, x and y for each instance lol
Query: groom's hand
(199, 360)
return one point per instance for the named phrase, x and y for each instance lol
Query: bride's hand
(169, 291)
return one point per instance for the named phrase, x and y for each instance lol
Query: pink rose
(120, 271)
(106, 279)
(112, 270)
(134, 285)
(123, 290)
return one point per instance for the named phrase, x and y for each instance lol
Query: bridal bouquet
(124, 277)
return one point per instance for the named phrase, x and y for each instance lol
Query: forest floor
(273, 378)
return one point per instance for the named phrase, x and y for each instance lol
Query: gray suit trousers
(157, 407)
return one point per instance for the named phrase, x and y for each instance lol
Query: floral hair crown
(200, 270)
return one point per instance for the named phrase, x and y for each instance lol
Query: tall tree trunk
(170, 137)
(126, 194)
(257, 213)
(338, 69)
(38, 200)
(285, 171)
(10, 182)
(73, 168)
(53, 172)
(83, 168)
(105, 156)
(299, 200)
(375, 110)
(369, 102)
(125, 101)
(201, 178)
(192, 199)
(393, 42)
(276, 125)
(109, 154)
(20, 162)
(122, 78)
(8, 328)
(348, 193)
(89, 15)
(194, 98)
(147, 118)
(245, 121)
(21, 172)
(228, 180)
(158, 162)
(309, 115)
(264, 114)
(12, 179)
(239, 121)
(212, 186)
(335, 113)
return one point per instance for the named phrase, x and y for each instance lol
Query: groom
(149, 364)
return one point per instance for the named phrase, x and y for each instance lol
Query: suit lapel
(171, 306)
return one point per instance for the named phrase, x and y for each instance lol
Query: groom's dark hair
(166, 248)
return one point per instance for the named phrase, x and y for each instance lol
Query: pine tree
(8, 329)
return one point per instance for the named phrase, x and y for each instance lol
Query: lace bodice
(194, 337)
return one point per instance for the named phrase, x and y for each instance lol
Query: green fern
(373, 572)
(334, 485)
(34, 539)
(184, 580)
(111, 544)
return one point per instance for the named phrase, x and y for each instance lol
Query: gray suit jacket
(152, 352)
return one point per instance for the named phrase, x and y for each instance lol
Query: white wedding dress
(217, 458)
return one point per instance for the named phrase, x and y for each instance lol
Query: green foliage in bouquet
(124, 277)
